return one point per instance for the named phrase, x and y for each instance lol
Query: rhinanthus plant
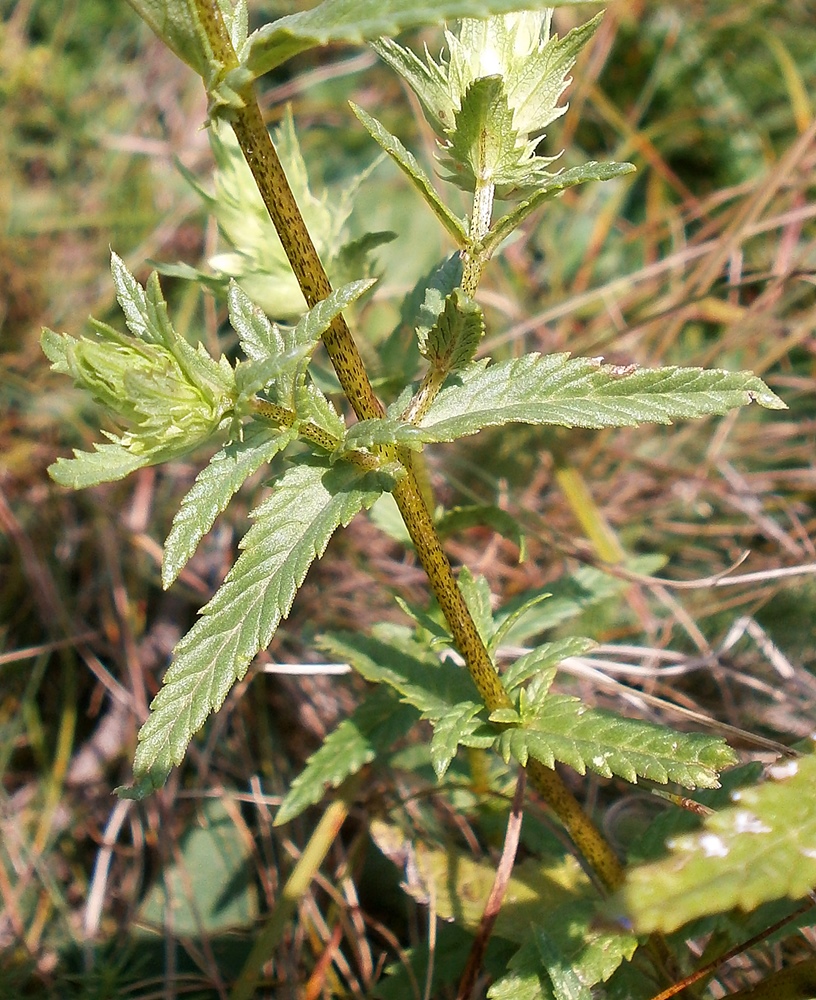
(488, 97)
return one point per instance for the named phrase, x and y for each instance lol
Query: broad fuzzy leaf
(213, 488)
(354, 21)
(761, 848)
(411, 167)
(291, 529)
(561, 728)
(373, 729)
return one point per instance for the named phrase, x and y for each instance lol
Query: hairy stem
(260, 154)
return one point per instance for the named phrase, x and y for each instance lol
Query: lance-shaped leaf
(372, 730)
(762, 848)
(562, 728)
(291, 529)
(354, 21)
(571, 392)
(411, 167)
(393, 657)
(546, 187)
(277, 353)
(213, 489)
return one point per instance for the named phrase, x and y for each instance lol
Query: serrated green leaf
(260, 340)
(543, 661)
(454, 338)
(561, 728)
(546, 187)
(411, 167)
(372, 729)
(105, 464)
(213, 488)
(581, 392)
(354, 21)
(311, 406)
(431, 685)
(761, 848)
(570, 392)
(291, 529)
(454, 727)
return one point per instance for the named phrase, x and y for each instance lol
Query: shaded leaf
(453, 340)
(372, 729)
(761, 848)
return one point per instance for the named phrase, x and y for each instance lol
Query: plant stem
(263, 161)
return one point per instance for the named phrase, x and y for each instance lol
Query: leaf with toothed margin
(570, 392)
(214, 487)
(355, 21)
(761, 848)
(292, 528)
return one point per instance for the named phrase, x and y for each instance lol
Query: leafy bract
(571, 392)
(761, 848)
(371, 730)
(291, 529)
(168, 395)
(354, 21)
(454, 338)
(213, 488)
(561, 728)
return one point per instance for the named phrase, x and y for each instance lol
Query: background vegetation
(705, 256)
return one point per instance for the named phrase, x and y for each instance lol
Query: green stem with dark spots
(260, 154)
